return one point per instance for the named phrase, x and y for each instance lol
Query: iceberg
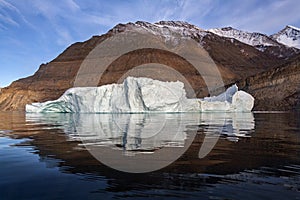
(142, 95)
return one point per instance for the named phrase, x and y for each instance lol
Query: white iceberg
(142, 95)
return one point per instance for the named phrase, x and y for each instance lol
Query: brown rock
(276, 89)
(234, 59)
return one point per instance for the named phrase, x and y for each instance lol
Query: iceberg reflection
(139, 143)
(144, 133)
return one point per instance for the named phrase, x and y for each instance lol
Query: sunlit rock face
(141, 95)
(229, 48)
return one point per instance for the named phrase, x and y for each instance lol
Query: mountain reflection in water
(246, 156)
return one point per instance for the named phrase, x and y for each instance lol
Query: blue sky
(36, 31)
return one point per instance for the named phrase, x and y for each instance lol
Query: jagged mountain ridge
(235, 61)
(252, 39)
(278, 44)
(289, 36)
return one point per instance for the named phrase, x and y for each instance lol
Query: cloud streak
(5, 17)
(268, 18)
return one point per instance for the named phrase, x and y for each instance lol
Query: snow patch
(293, 27)
(252, 39)
(289, 36)
(170, 31)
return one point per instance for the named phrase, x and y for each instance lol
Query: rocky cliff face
(235, 60)
(277, 89)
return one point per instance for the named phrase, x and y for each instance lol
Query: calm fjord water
(89, 156)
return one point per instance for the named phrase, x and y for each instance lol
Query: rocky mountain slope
(277, 89)
(235, 60)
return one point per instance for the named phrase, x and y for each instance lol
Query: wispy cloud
(5, 4)
(67, 19)
(43, 28)
(261, 16)
(196, 9)
(8, 20)
(268, 17)
(55, 14)
(72, 18)
(65, 36)
(3, 27)
(12, 15)
(5, 17)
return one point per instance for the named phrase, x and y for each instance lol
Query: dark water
(196, 156)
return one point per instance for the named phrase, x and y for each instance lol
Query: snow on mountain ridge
(174, 30)
(253, 39)
(180, 24)
(289, 36)
(293, 27)
(170, 30)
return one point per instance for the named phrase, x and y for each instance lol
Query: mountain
(277, 89)
(252, 39)
(268, 44)
(289, 36)
(235, 61)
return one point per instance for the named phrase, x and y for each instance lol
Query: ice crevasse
(142, 95)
